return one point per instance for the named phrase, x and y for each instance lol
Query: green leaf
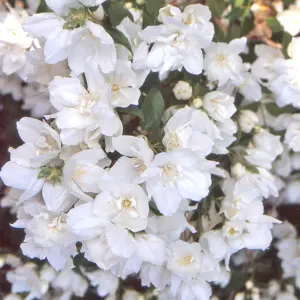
(153, 108)
(43, 7)
(235, 14)
(132, 110)
(274, 110)
(151, 11)
(219, 34)
(274, 24)
(216, 7)
(246, 26)
(286, 39)
(116, 12)
(153, 7)
(238, 3)
(234, 32)
(119, 37)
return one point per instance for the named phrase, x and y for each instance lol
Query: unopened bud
(183, 90)
(98, 14)
(197, 102)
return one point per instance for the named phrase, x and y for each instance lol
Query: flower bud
(183, 90)
(98, 14)
(247, 120)
(197, 102)
(238, 170)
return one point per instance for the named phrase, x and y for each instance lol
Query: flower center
(187, 260)
(221, 59)
(139, 165)
(86, 104)
(115, 88)
(57, 223)
(77, 174)
(170, 173)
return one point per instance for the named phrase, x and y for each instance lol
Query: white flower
(104, 281)
(247, 120)
(292, 135)
(137, 156)
(68, 280)
(83, 112)
(286, 85)
(123, 85)
(250, 88)
(82, 172)
(219, 105)
(183, 90)
(25, 279)
(263, 67)
(214, 243)
(127, 206)
(177, 175)
(291, 193)
(223, 63)
(40, 139)
(97, 250)
(265, 148)
(139, 48)
(227, 130)
(41, 72)
(93, 43)
(283, 165)
(289, 19)
(151, 249)
(191, 129)
(63, 41)
(36, 99)
(294, 49)
(178, 42)
(185, 259)
(13, 43)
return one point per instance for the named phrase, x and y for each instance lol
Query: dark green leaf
(43, 7)
(286, 39)
(153, 109)
(274, 24)
(234, 31)
(153, 7)
(132, 110)
(235, 14)
(219, 34)
(216, 7)
(274, 110)
(246, 26)
(151, 11)
(116, 12)
(119, 37)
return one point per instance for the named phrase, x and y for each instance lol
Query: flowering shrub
(163, 128)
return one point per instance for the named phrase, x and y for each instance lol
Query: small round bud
(183, 90)
(239, 296)
(197, 102)
(247, 120)
(238, 170)
(249, 285)
(128, 5)
(140, 2)
(98, 14)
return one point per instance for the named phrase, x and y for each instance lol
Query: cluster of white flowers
(23, 72)
(170, 209)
